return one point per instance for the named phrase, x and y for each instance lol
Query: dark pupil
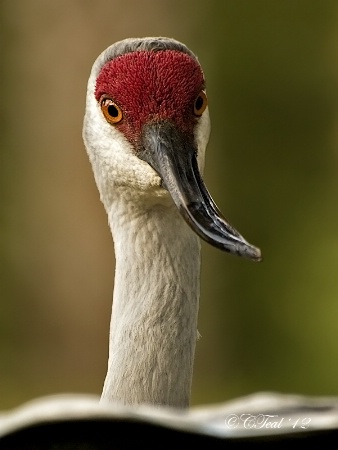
(112, 111)
(199, 102)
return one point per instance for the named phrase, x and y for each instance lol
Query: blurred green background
(272, 168)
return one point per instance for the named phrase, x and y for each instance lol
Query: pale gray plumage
(156, 294)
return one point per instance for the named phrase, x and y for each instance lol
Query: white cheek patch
(202, 134)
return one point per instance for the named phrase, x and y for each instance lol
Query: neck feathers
(154, 318)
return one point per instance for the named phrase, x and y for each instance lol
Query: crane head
(146, 128)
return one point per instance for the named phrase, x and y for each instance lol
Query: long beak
(173, 155)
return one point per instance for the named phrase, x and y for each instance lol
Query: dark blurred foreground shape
(258, 421)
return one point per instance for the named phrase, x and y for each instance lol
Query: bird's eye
(200, 104)
(111, 111)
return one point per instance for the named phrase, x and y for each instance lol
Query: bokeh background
(272, 168)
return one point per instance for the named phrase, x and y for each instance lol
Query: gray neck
(154, 318)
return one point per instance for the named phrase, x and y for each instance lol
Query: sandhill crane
(146, 128)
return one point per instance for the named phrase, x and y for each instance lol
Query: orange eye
(200, 104)
(111, 111)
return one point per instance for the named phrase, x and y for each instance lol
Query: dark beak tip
(246, 250)
(254, 253)
(258, 258)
